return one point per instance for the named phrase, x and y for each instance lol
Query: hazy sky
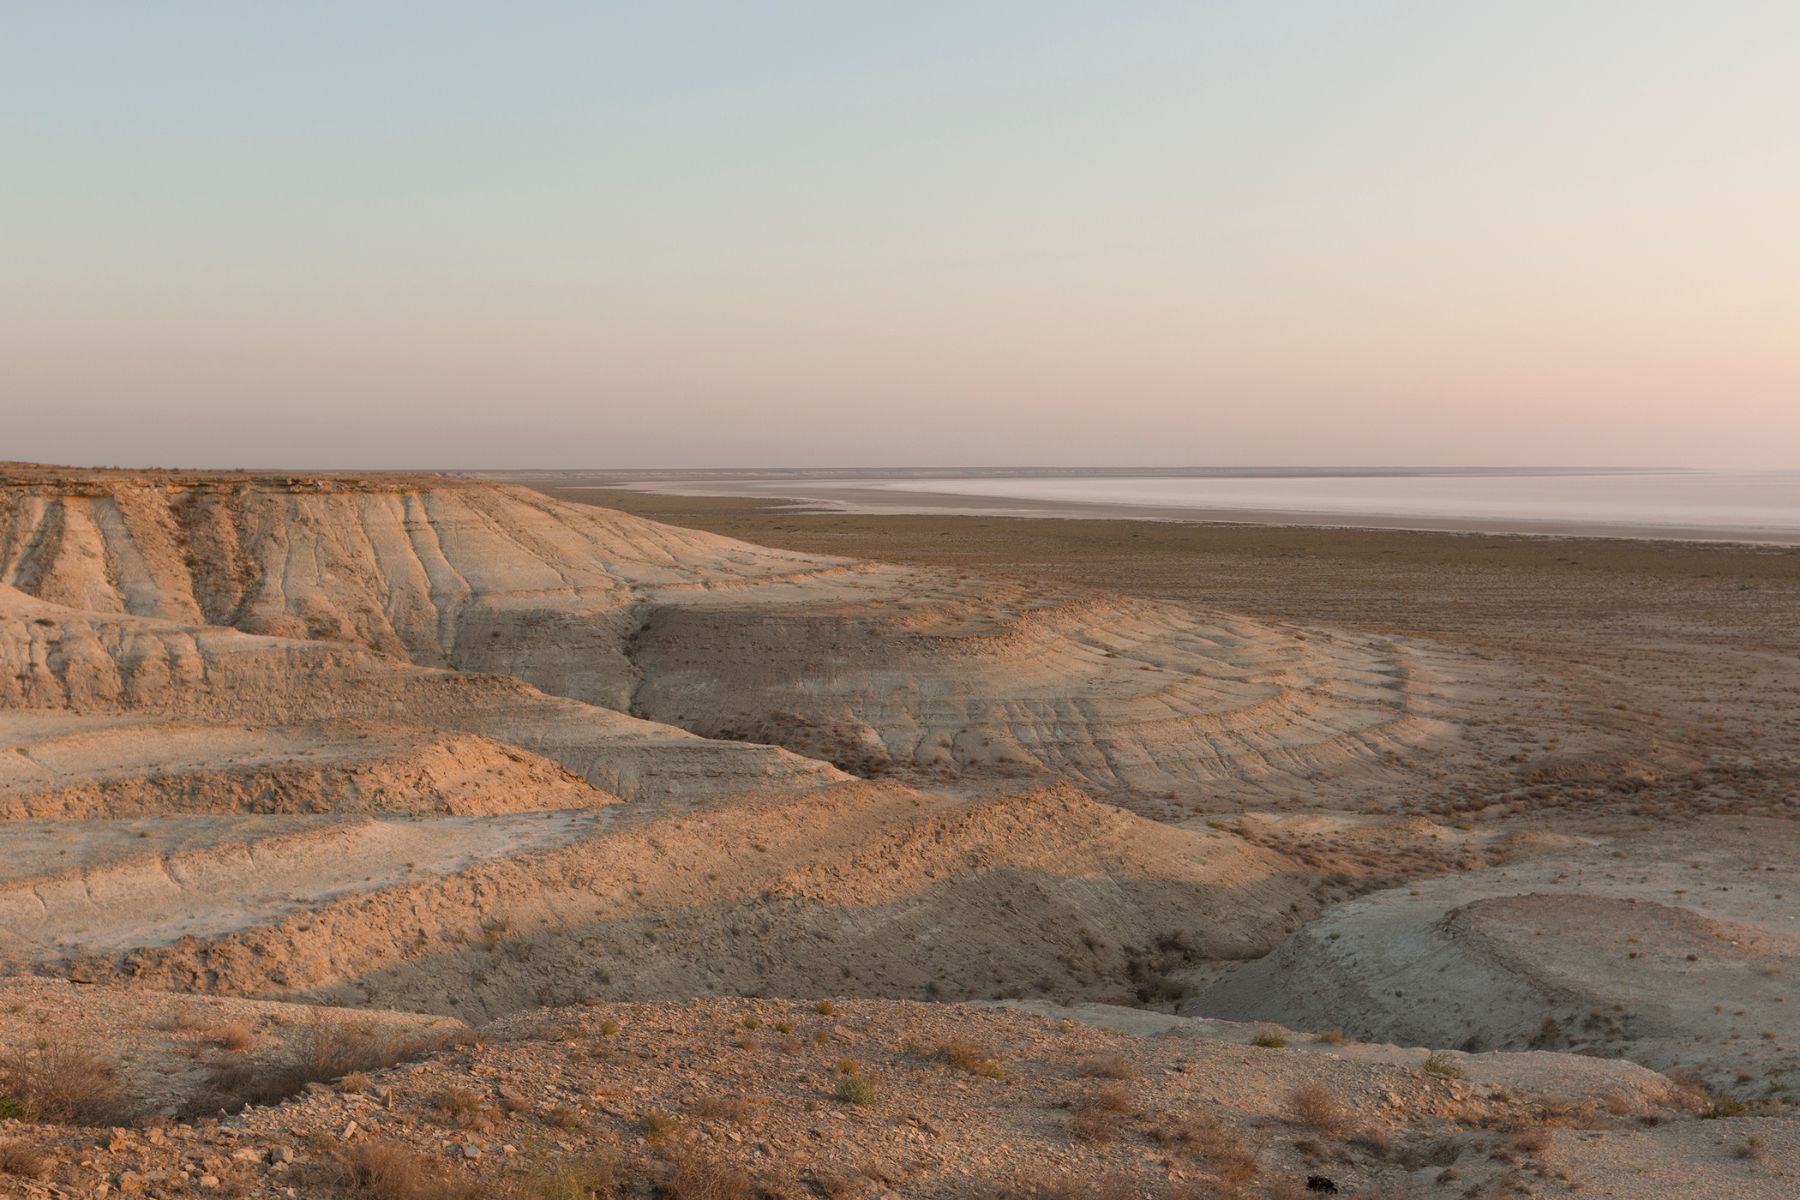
(592, 234)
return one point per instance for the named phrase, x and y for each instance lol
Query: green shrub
(857, 1089)
(1440, 1063)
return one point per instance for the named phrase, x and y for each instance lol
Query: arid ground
(413, 836)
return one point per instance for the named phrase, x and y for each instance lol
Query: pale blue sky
(446, 234)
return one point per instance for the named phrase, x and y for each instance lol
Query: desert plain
(416, 836)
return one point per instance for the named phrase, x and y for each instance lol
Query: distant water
(1755, 505)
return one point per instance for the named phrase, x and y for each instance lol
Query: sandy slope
(150, 881)
(1626, 946)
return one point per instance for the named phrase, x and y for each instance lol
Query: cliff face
(438, 573)
(153, 579)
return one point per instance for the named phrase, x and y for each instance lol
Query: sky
(672, 234)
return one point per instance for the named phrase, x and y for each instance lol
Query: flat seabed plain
(418, 836)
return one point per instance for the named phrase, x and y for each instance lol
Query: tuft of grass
(1442, 1064)
(824, 1008)
(1270, 1040)
(857, 1089)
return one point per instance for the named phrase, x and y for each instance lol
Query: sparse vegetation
(1067, 1186)
(1205, 1138)
(724, 1108)
(1269, 1040)
(655, 1124)
(462, 1108)
(857, 1089)
(697, 1176)
(1094, 1117)
(59, 1082)
(236, 1036)
(1724, 1106)
(386, 1171)
(1314, 1106)
(563, 1117)
(1108, 1066)
(1441, 1064)
(595, 1177)
(967, 1056)
(23, 1160)
(326, 1050)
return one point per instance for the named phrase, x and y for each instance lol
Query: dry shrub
(857, 1089)
(967, 1056)
(595, 1177)
(63, 1084)
(839, 1187)
(462, 1108)
(565, 1118)
(331, 1049)
(237, 1036)
(189, 1018)
(326, 1050)
(655, 1124)
(1109, 1066)
(695, 1176)
(23, 1160)
(723, 1108)
(1286, 1189)
(1094, 1117)
(1216, 1147)
(1688, 1091)
(385, 1171)
(1068, 1187)
(1522, 1146)
(1313, 1106)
